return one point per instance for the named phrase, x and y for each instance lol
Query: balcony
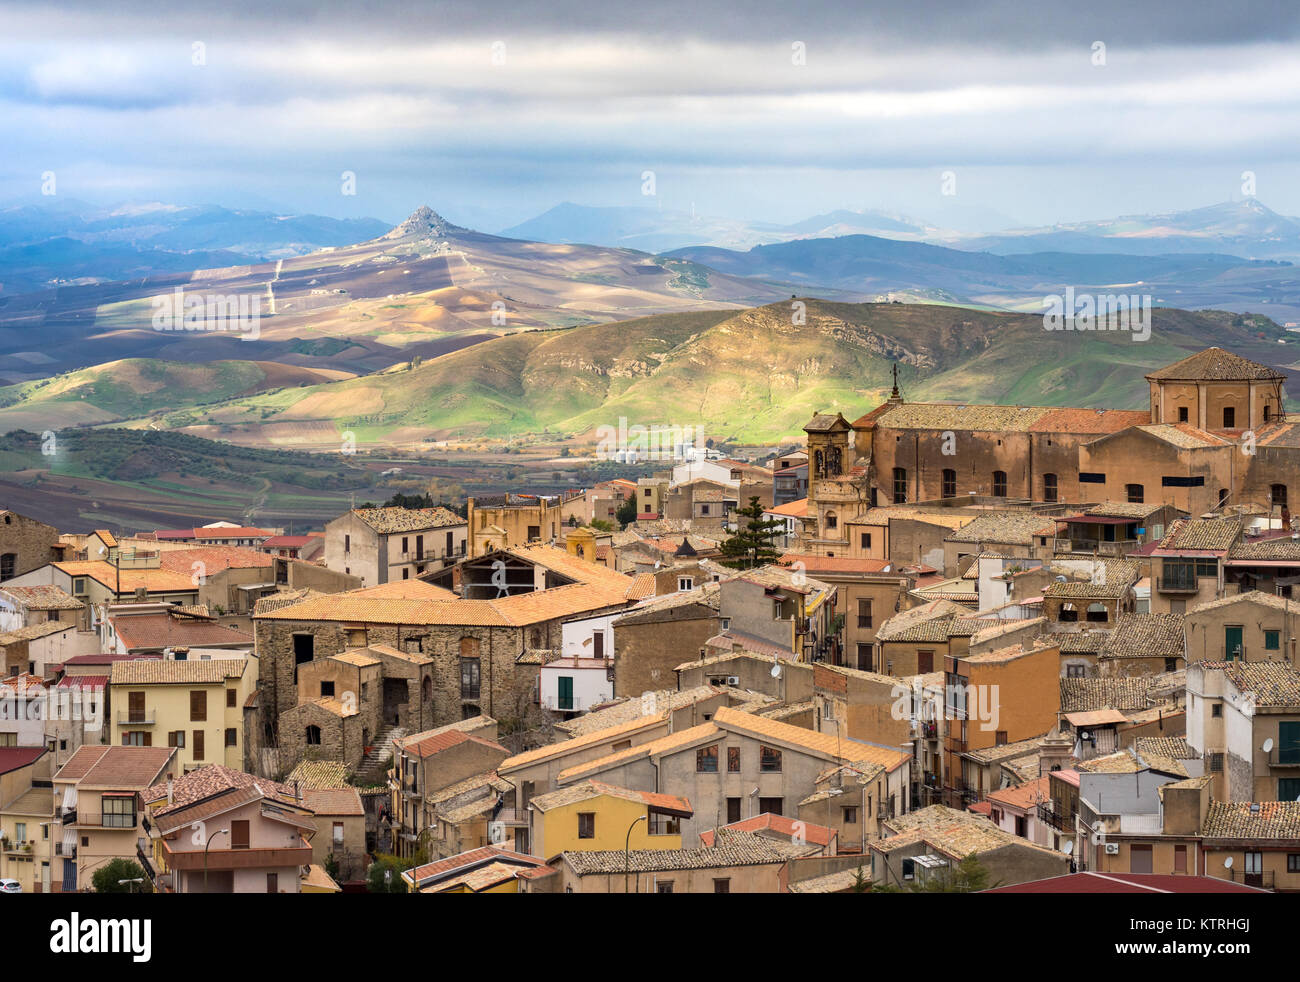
(1058, 821)
(429, 555)
(128, 718)
(1284, 757)
(1262, 880)
(1141, 824)
(232, 859)
(1177, 584)
(1117, 548)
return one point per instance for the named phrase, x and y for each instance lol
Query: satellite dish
(1268, 745)
(776, 670)
(1085, 735)
(1068, 847)
(1227, 863)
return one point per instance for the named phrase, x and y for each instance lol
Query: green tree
(751, 545)
(376, 882)
(626, 513)
(968, 876)
(107, 878)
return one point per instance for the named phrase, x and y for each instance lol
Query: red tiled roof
(287, 541)
(83, 682)
(1095, 882)
(835, 564)
(213, 559)
(818, 835)
(12, 758)
(166, 630)
(439, 742)
(238, 531)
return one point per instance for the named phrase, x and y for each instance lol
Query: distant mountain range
(1245, 228)
(656, 230)
(41, 245)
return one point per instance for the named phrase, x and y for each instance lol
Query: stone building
(25, 544)
(465, 649)
(1186, 450)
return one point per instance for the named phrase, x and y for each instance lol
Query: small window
(733, 760)
(831, 520)
(999, 484)
(851, 815)
(230, 698)
(313, 736)
(866, 540)
(1182, 414)
(685, 583)
(706, 760)
(1273, 640)
(198, 706)
(326, 688)
(586, 825)
(1229, 417)
(722, 886)
(1136, 493)
(949, 483)
(769, 759)
(232, 737)
(664, 886)
(1216, 710)
(900, 485)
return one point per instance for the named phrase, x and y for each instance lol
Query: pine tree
(751, 545)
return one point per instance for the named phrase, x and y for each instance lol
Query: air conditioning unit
(1112, 848)
(733, 680)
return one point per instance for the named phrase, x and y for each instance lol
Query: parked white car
(10, 886)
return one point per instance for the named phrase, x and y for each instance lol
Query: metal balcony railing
(1284, 757)
(1263, 880)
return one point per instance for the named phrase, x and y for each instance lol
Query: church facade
(1216, 435)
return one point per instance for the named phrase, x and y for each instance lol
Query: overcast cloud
(491, 115)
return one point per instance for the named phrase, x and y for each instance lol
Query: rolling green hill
(752, 375)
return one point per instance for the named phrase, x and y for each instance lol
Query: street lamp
(205, 855)
(133, 884)
(627, 855)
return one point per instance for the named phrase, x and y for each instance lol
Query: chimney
(171, 788)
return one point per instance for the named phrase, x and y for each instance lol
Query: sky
(1032, 113)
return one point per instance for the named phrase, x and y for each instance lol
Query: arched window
(1097, 613)
(313, 736)
(1068, 612)
(999, 484)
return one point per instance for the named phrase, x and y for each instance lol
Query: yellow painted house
(198, 707)
(592, 815)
